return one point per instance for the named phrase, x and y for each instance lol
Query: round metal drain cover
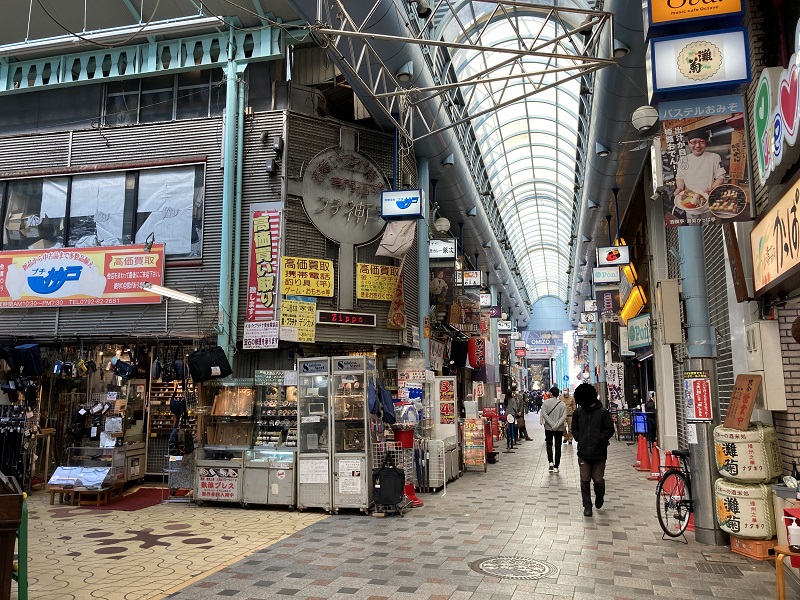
(514, 567)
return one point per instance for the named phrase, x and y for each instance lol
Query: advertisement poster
(608, 305)
(99, 275)
(306, 276)
(376, 282)
(447, 402)
(615, 377)
(442, 285)
(262, 292)
(697, 392)
(474, 444)
(218, 484)
(261, 335)
(704, 160)
(774, 242)
(396, 319)
(298, 321)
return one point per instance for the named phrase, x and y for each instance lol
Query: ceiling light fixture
(448, 161)
(423, 9)
(591, 204)
(170, 293)
(406, 72)
(442, 224)
(473, 212)
(620, 49)
(601, 150)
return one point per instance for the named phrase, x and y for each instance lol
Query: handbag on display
(123, 369)
(209, 363)
(91, 366)
(387, 404)
(177, 406)
(388, 482)
(179, 369)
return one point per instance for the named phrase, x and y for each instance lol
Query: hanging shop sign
(604, 275)
(297, 321)
(775, 245)
(588, 317)
(104, 275)
(504, 325)
(262, 282)
(590, 305)
(472, 278)
(611, 256)
(697, 61)
(262, 335)
(436, 351)
(439, 249)
(697, 393)
(743, 401)
(376, 282)
(495, 312)
(396, 319)
(341, 195)
(704, 161)
(338, 317)
(478, 389)
(521, 352)
(485, 300)
(306, 276)
(639, 334)
(608, 305)
(615, 378)
(776, 118)
(402, 204)
(624, 350)
(673, 12)
(476, 348)
(442, 285)
(536, 352)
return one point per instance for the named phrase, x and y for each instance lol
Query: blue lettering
(54, 280)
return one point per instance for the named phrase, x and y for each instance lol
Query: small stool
(94, 497)
(781, 552)
(64, 494)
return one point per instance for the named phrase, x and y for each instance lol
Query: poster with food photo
(704, 161)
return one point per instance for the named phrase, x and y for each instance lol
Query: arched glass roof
(529, 146)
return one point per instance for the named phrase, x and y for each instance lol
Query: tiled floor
(516, 509)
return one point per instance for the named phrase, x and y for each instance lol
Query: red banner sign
(262, 296)
(80, 276)
(697, 389)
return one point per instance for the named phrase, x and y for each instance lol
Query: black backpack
(181, 442)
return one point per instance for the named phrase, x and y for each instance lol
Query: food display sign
(376, 282)
(103, 275)
(219, 483)
(262, 283)
(306, 276)
(704, 161)
(697, 393)
(447, 402)
(474, 443)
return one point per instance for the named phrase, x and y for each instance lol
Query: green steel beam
(138, 16)
(127, 62)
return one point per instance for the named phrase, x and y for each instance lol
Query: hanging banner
(697, 393)
(260, 336)
(639, 334)
(262, 292)
(436, 351)
(306, 276)
(376, 282)
(298, 321)
(615, 378)
(447, 402)
(704, 158)
(396, 319)
(102, 275)
(476, 347)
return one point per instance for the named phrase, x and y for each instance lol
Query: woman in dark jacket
(592, 428)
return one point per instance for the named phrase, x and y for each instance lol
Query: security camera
(658, 194)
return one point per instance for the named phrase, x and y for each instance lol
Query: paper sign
(376, 282)
(306, 276)
(697, 393)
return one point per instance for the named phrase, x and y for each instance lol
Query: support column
(602, 388)
(423, 262)
(591, 358)
(701, 348)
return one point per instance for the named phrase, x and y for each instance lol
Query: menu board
(447, 402)
(474, 443)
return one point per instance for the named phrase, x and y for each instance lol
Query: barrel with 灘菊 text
(750, 456)
(745, 509)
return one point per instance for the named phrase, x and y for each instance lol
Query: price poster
(447, 402)
(218, 484)
(376, 282)
(474, 447)
(306, 277)
(697, 392)
(261, 335)
(298, 321)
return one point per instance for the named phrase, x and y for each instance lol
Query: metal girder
(557, 59)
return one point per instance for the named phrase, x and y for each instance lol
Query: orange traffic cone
(639, 453)
(670, 461)
(645, 464)
(655, 465)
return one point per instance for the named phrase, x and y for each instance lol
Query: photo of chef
(704, 161)
(442, 285)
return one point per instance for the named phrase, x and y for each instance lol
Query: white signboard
(613, 256)
(313, 471)
(603, 275)
(260, 335)
(503, 325)
(588, 317)
(590, 305)
(438, 249)
(218, 483)
(615, 377)
(402, 204)
(472, 279)
(516, 335)
(486, 300)
(639, 334)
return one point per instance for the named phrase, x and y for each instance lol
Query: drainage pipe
(237, 244)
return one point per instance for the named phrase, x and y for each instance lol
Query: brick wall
(787, 424)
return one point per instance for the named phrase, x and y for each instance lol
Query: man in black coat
(592, 428)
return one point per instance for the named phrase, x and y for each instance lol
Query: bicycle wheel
(673, 503)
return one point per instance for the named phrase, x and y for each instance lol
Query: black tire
(673, 503)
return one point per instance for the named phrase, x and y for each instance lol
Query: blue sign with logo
(402, 204)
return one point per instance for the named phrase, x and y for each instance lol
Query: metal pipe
(591, 357)
(237, 244)
(228, 183)
(423, 260)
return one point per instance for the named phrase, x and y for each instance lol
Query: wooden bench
(65, 494)
(94, 497)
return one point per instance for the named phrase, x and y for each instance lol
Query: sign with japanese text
(588, 317)
(485, 300)
(639, 334)
(504, 325)
(447, 401)
(298, 321)
(474, 443)
(714, 59)
(697, 393)
(663, 12)
(219, 483)
(376, 282)
(704, 161)
(262, 283)
(103, 275)
(615, 379)
(590, 305)
(472, 279)
(261, 335)
(436, 352)
(743, 400)
(775, 116)
(608, 305)
(402, 204)
(306, 276)
(520, 352)
(270, 377)
(775, 243)
(477, 389)
(438, 249)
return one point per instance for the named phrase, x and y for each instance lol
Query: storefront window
(35, 213)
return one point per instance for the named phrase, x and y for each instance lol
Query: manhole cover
(514, 567)
(719, 569)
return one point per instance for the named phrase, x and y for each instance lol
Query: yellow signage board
(667, 11)
(774, 243)
(298, 321)
(376, 282)
(306, 276)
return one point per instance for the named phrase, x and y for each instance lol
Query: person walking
(592, 428)
(552, 416)
(569, 402)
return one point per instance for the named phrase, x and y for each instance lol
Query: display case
(269, 477)
(219, 474)
(275, 416)
(352, 432)
(92, 456)
(313, 422)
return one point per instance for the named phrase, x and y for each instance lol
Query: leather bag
(206, 364)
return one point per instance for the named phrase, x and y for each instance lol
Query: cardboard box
(42, 245)
(757, 549)
(14, 226)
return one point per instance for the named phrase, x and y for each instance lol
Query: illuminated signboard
(670, 12)
(333, 317)
(402, 204)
